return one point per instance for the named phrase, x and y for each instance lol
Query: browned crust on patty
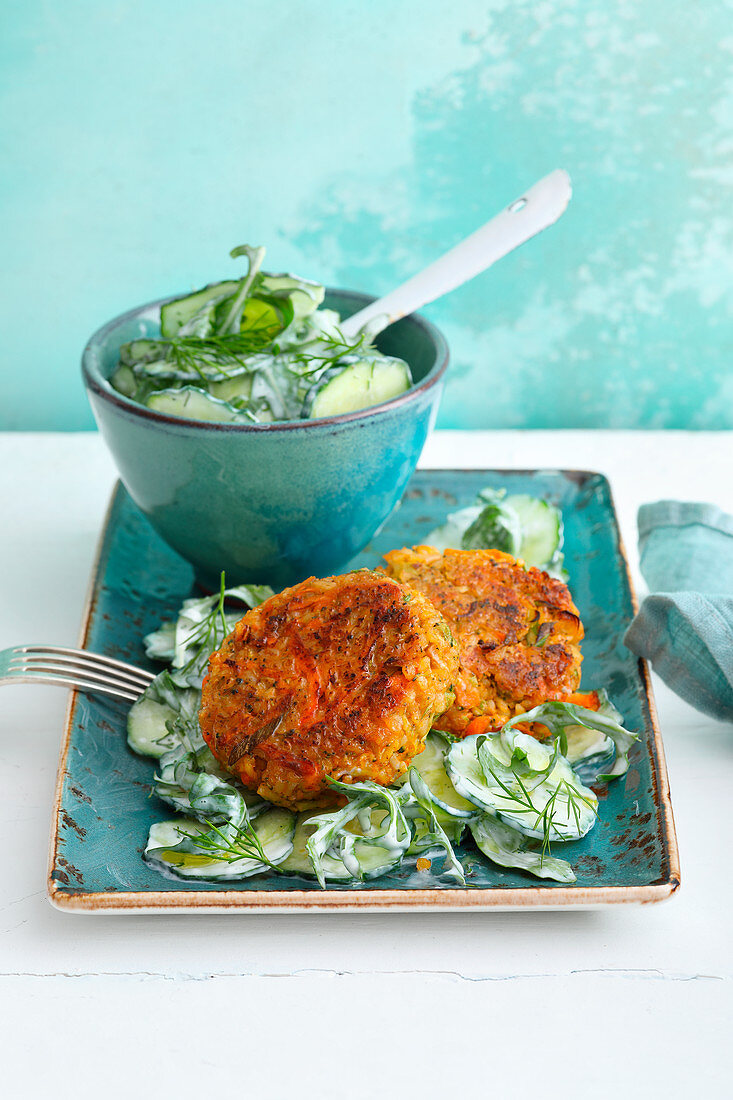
(517, 629)
(339, 677)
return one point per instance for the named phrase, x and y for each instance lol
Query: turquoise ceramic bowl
(270, 503)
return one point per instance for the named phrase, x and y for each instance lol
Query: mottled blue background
(358, 140)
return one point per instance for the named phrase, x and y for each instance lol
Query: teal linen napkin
(685, 627)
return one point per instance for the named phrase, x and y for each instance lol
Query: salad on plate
(400, 716)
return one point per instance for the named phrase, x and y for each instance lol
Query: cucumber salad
(253, 351)
(525, 527)
(512, 797)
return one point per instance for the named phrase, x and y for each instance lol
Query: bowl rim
(99, 385)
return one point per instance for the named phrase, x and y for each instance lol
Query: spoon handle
(528, 215)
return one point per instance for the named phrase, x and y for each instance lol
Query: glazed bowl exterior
(270, 503)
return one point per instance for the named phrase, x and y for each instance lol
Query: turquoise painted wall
(358, 140)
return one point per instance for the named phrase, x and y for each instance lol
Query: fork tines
(80, 669)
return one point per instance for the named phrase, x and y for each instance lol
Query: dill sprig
(575, 800)
(226, 355)
(205, 638)
(229, 355)
(228, 844)
(544, 816)
(326, 349)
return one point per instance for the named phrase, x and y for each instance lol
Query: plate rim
(427, 899)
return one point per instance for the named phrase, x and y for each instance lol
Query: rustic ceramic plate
(104, 807)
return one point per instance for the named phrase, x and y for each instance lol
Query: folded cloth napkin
(685, 628)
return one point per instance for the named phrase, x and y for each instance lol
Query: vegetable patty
(341, 677)
(517, 631)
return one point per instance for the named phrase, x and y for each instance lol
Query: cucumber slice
(525, 783)
(541, 527)
(507, 847)
(305, 296)
(589, 751)
(168, 372)
(431, 766)
(374, 860)
(299, 862)
(195, 405)
(558, 716)
(123, 380)
(174, 315)
(162, 373)
(142, 351)
(162, 702)
(232, 388)
(264, 319)
(171, 848)
(357, 386)
(146, 728)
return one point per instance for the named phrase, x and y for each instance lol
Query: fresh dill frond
(574, 799)
(543, 817)
(325, 349)
(229, 843)
(210, 632)
(225, 355)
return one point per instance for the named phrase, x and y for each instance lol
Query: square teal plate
(104, 806)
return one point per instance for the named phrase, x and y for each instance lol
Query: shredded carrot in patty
(518, 632)
(482, 724)
(587, 699)
(339, 677)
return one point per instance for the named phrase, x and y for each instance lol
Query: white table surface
(624, 1002)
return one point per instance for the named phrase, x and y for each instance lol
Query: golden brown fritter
(517, 631)
(341, 677)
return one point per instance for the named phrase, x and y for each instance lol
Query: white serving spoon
(528, 215)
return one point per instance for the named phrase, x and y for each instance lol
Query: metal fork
(72, 668)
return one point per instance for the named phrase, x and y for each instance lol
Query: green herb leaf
(495, 528)
(233, 318)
